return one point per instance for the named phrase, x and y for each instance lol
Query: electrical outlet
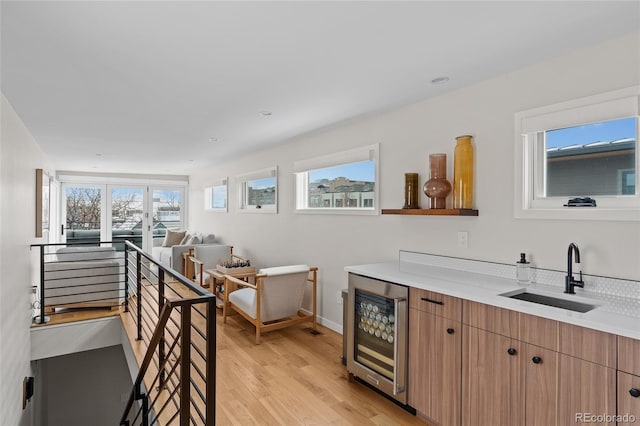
(339, 297)
(463, 239)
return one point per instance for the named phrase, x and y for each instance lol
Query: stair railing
(176, 380)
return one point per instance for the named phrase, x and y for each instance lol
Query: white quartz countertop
(487, 289)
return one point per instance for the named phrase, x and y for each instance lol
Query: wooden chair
(275, 300)
(207, 257)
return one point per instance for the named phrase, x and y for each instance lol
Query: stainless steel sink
(556, 302)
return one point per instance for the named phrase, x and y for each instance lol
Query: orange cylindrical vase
(463, 173)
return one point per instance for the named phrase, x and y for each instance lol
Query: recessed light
(98, 155)
(440, 80)
(265, 113)
(191, 161)
(213, 140)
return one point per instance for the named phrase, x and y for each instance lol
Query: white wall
(19, 157)
(68, 338)
(407, 136)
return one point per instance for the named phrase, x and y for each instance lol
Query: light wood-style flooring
(72, 315)
(292, 378)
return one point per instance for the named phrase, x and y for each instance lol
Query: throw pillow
(191, 239)
(209, 239)
(173, 238)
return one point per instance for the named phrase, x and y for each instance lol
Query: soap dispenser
(522, 270)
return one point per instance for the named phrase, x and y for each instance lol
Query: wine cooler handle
(398, 377)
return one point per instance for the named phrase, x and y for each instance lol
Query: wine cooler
(376, 330)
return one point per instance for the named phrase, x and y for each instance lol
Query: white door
(167, 211)
(83, 213)
(126, 218)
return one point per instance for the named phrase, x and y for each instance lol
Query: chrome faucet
(569, 282)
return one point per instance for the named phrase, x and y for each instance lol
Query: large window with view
(579, 159)
(118, 210)
(344, 182)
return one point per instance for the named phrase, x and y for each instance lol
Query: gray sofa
(171, 257)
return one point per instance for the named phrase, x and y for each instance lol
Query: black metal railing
(177, 320)
(174, 318)
(80, 275)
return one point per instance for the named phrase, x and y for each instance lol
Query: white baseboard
(330, 324)
(325, 322)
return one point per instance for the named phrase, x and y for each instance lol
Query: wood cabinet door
(491, 379)
(629, 355)
(584, 388)
(628, 397)
(540, 372)
(435, 352)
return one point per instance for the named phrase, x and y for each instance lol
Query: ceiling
(172, 87)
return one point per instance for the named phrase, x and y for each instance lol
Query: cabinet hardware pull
(536, 360)
(432, 301)
(634, 392)
(512, 351)
(373, 379)
(450, 330)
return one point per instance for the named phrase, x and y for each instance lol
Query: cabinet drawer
(538, 331)
(591, 345)
(490, 318)
(629, 355)
(435, 303)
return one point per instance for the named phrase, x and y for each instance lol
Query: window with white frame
(215, 196)
(258, 191)
(586, 148)
(343, 182)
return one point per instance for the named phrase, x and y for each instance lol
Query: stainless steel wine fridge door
(377, 334)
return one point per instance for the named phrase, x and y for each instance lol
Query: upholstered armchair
(274, 301)
(207, 257)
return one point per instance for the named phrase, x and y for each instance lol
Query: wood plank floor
(63, 316)
(292, 378)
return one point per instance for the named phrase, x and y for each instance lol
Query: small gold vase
(411, 191)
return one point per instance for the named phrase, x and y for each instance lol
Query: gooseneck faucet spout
(569, 282)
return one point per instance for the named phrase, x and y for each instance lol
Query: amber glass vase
(438, 187)
(411, 191)
(463, 173)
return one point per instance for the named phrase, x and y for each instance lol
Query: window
(215, 196)
(344, 182)
(581, 148)
(258, 191)
(117, 208)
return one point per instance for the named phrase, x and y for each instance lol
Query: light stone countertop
(613, 314)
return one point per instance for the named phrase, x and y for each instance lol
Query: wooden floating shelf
(432, 212)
